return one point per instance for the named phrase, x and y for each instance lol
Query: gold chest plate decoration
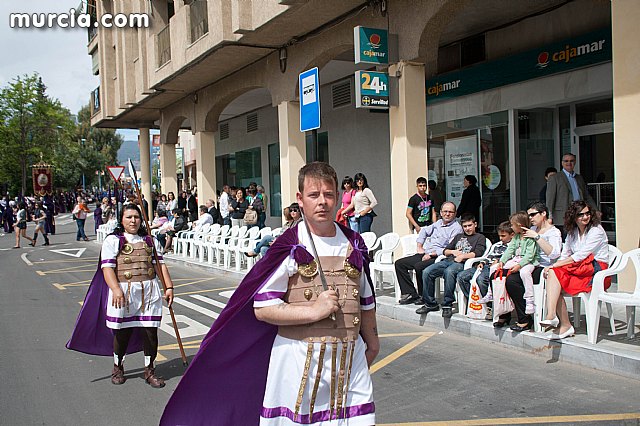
(127, 259)
(350, 270)
(127, 248)
(128, 274)
(148, 249)
(308, 294)
(308, 270)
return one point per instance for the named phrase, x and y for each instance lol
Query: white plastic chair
(196, 240)
(369, 239)
(383, 259)
(225, 249)
(200, 244)
(182, 239)
(243, 244)
(211, 245)
(598, 295)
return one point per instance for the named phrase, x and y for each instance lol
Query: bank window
(322, 149)
(594, 112)
(248, 167)
(275, 194)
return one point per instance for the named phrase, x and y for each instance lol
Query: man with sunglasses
(431, 242)
(564, 188)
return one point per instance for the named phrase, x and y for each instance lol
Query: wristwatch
(537, 237)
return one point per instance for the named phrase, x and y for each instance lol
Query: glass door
(595, 163)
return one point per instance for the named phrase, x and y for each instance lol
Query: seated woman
(292, 217)
(549, 241)
(586, 251)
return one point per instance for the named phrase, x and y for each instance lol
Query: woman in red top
(347, 195)
(80, 216)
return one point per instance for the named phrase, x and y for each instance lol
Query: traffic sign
(309, 87)
(115, 172)
(372, 90)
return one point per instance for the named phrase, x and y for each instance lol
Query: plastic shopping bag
(475, 310)
(501, 301)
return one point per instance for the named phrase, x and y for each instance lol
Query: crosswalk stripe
(227, 294)
(208, 300)
(195, 307)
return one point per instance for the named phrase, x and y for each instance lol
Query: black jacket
(470, 202)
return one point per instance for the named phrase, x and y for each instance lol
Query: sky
(59, 55)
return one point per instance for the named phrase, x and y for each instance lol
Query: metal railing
(164, 46)
(199, 19)
(604, 195)
(95, 100)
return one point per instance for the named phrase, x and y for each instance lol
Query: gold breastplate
(304, 291)
(134, 262)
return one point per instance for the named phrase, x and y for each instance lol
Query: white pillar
(205, 166)
(293, 150)
(408, 138)
(145, 168)
(168, 180)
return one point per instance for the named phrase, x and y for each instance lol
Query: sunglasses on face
(583, 214)
(532, 214)
(294, 210)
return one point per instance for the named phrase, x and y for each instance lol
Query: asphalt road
(423, 376)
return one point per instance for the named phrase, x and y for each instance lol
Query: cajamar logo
(569, 53)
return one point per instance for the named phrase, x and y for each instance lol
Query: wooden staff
(134, 176)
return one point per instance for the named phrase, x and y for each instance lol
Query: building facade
(494, 88)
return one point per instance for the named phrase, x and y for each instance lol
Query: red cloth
(341, 219)
(577, 277)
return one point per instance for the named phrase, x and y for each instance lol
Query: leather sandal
(151, 378)
(117, 376)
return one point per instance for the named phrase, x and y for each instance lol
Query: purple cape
(225, 383)
(91, 334)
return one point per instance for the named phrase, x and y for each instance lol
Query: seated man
(463, 246)
(505, 233)
(431, 241)
(205, 218)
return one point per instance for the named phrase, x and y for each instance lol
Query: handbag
(475, 310)
(251, 215)
(502, 303)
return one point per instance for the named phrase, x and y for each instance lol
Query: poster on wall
(461, 159)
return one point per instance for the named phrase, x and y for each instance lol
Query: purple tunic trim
(318, 416)
(261, 297)
(136, 318)
(241, 364)
(108, 261)
(367, 300)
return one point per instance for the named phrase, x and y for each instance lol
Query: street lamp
(83, 140)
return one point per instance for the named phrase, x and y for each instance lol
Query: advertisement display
(461, 159)
(180, 163)
(370, 45)
(372, 90)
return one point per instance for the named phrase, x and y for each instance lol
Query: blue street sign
(309, 87)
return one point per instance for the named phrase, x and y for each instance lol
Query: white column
(205, 166)
(145, 168)
(408, 138)
(293, 150)
(168, 180)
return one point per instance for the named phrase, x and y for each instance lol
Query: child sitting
(505, 233)
(521, 256)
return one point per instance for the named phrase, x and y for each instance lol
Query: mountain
(129, 149)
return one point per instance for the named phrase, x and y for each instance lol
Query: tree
(31, 124)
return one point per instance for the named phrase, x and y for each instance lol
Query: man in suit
(192, 206)
(563, 188)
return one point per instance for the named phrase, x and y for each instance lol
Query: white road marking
(227, 294)
(70, 252)
(208, 300)
(24, 257)
(196, 308)
(193, 328)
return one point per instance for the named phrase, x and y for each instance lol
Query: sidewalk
(613, 354)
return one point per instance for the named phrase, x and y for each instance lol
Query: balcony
(164, 46)
(95, 100)
(199, 20)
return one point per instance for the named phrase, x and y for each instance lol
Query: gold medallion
(148, 249)
(356, 320)
(308, 270)
(355, 293)
(308, 294)
(128, 275)
(149, 259)
(127, 248)
(127, 259)
(350, 270)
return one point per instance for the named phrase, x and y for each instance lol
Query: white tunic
(133, 315)
(288, 356)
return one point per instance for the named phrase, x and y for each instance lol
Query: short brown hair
(505, 227)
(521, 218)
(317, 170)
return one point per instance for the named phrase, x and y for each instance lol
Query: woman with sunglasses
(586, 251)
(292, 218)
(362, 202)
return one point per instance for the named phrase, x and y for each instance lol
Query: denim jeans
(446, 268)
(364, 223)
(80, 234)
(353, 223)
(263, 245)
(464, 280)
